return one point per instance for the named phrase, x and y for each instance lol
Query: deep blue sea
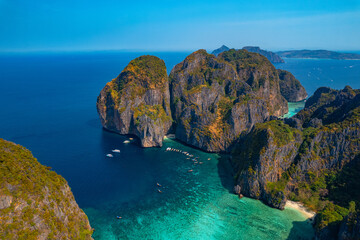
(48, 104)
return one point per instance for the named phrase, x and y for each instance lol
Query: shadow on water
(224, 167)
(226, 172)
(301, 231)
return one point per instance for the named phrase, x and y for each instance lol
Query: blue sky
(72, 25)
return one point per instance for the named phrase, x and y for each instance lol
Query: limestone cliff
(215, 99)
(308, 158)
(35, 202)
(138, 101)
(290, 87)
(262, 156)
(212, 100)
(350, 227)
(257, 71)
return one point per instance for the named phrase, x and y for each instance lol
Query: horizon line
(159, 50)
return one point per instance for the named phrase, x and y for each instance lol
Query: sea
(48, 104)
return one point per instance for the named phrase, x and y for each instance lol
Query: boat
(158, 184)
(131, 139)
(116, 150)
(190, 170)
(109, 155)
(159, 191)
(126, 141)
(118, 217)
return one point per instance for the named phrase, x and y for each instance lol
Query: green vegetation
(36, 193)
(328, 192)
(344, 185)
(281, 133)
(225, 106)
(148, 71)
(279, 186)
(244, 59)
(249, 149)
(141, 74)
(196, 89)
(330, 216)
(247, 62)
(253, 145)
(155, 112)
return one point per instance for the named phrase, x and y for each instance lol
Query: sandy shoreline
(301, 208)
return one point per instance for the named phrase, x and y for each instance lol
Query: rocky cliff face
(36, 203)
(262, 156)
(350, 227)
(322, 138)
(255, 70)
(212, 100)
(215, 99)
(290, 87)
(273, 57)
(138, 101)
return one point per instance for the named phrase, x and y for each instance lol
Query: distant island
(273, 57)
(324, 54)
(221, 49)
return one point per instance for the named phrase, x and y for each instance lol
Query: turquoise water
(294, 107)
(48, 105)
(192, 205)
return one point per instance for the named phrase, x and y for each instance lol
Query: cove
(196, 204)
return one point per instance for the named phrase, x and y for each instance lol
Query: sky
(181, 25)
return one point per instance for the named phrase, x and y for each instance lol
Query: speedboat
(109, 155)
(126, 141)
(116, 150)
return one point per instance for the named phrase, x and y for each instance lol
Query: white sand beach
(301, 208)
